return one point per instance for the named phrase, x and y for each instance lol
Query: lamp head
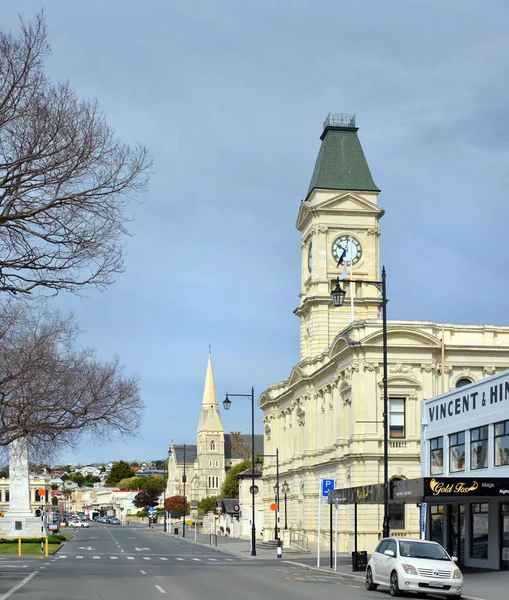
(227, 403)
(338, 295)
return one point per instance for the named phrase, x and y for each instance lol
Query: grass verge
(26, 548)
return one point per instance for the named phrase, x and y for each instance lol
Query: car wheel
(370, 586)
(394, 587)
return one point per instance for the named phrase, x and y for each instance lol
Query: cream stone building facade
(326, 418)
(206, 463)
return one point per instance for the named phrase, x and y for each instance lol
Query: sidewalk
(478, 585)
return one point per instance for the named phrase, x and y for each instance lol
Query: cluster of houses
(55, 488)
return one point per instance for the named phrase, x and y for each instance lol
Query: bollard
(279, 549)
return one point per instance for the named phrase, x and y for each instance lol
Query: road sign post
(424, 512)
(326, 486)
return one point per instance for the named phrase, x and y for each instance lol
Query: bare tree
(51, 390)
(65, 178)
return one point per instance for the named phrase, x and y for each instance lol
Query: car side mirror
(454, 559)
(389, 553)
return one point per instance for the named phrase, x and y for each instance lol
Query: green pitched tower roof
(341, 164)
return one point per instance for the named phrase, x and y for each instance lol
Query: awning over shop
(424, 489)
(365, 494)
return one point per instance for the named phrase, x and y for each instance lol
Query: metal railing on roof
(339, 120)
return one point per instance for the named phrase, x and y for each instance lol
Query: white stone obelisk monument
(20, 520)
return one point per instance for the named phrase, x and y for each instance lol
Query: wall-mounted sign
(469, 401)
(466, 487)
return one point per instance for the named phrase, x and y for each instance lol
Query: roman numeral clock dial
(353, 249)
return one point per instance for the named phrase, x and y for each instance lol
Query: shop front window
(480, 530)
(436, 456)
(437, 523)
(479, 448)
(502, 443)
(397, 417)
(396, 516)
(396, 511)
(457, 452)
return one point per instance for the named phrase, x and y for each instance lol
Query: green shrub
(52, 539)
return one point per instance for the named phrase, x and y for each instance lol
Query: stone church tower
(210, 441)
(207, 462)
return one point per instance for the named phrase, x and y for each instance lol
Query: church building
(326, 417)
(206, 463)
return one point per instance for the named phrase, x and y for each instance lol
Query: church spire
(210, 418)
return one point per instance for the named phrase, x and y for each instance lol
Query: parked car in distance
(413, 565)
(114, 521)
(78, 524)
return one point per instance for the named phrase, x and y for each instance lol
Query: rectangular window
(502, 443)
(397, 516)
(7, 495)
(457, 452)
(396, 417)
(436, 446)
(480, 530)
(437, 523)
(479, 448)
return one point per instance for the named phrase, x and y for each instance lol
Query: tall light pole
(285, 488)
(227, 404)
(165, 528)
(276, 487)
(184, 479)
(338, 298)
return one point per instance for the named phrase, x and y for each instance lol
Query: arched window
(463, 381)
(396, 511)
(212, 445)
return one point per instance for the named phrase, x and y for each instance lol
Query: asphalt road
(135, 563)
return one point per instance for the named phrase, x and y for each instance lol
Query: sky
(230, 98)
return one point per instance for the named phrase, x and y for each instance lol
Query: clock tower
(339, 222)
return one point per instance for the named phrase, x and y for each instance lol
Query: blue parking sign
(327, 486)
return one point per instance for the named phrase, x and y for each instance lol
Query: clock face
(353, 249)
(310, 257)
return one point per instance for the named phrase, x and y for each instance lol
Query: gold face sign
(439, 487)
(353, 249)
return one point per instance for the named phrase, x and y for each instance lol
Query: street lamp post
(285, 488)
(227, 404)
(165, 528)
(276, 487)
(184, 479)
(338, 298)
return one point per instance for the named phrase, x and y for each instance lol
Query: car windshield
(427, 550)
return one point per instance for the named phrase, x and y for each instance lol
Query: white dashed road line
(158, 587)
(18, 586)
(143, 572)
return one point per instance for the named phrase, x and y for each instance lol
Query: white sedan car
(79, 524)
(413, 565)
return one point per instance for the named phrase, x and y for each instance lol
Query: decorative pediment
(397, 336)
(402, 383)
(349, 202)
(344, 201)
(296, 375)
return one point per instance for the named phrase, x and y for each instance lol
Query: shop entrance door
(504, 562)
(457, 532)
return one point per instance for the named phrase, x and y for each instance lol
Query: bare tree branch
(65, 178)
(51, 390)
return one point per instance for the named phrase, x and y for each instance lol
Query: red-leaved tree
(175, 504)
